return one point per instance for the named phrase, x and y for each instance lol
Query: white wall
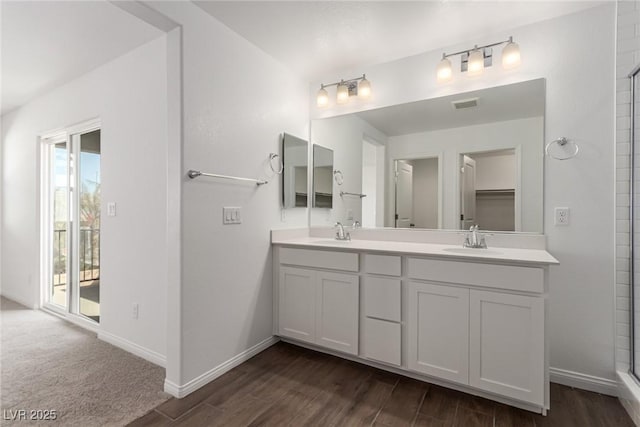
(237, 101)
(343, 135)
(425, 193)
(578, 65)
(526, 135)
(495, 171)
(129, 96)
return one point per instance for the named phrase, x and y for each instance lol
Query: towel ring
(338, 177)
(561, 144)
(276, 156)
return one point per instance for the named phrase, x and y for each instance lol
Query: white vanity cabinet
(381, 327)
(476, 324)
(337, 311)
(506, 345)
(492, 339)
(319, 306)
(439, 331)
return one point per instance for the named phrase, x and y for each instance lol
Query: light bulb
(475, 66)
(322, 100)
(511, 55)
(342, 94)
(444, 71)
(364, 88)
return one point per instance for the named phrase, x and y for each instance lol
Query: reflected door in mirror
(294, 172)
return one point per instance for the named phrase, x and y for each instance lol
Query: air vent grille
(465, 103)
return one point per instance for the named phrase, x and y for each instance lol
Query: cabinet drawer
(381, 341)
(387, 265)
(382, 298)
(346, 261)
(526, 279)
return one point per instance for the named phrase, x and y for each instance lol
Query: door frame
(518, 190)
(70, 134)
(390, 206)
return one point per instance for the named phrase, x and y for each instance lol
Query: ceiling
(48, 43)
(314, 38)
(501, 103)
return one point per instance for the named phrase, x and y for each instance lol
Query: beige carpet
(50, 364)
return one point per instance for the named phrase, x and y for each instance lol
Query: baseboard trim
(629, 395)
(131, 347)
(584, 381)
(181, 391)
(17, 300)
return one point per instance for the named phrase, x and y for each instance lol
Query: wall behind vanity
(578, 65)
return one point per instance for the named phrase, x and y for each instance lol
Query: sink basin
(332, 242)
(473, 251)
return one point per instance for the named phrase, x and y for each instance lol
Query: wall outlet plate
(561, 216)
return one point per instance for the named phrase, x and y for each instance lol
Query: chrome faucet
(356, 225)
(474, 239)
(340, 234)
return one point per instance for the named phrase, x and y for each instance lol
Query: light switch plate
(111, 209)
(231, 215)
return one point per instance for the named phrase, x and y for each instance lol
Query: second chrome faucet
(341, 234)
(474, 239)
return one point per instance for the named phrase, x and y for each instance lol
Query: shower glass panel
(635, 222)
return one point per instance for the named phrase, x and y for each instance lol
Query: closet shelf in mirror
(496, 191)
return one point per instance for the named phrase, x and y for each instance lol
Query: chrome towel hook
(280, 164)
(561, 149)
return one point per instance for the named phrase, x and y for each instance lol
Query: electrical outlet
(231, 215)
(349, 214)
(135, 311)
(561, 216)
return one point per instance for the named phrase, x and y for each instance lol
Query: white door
(297, 297)
(337, 302)
(404, 194)
(507, 345)
(467, 192)
(439, 331)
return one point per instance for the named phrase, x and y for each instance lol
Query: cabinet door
(337, 302)
(439, 331)
(507, 345)
(297, 296)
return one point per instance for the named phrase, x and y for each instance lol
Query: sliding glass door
(71, 222)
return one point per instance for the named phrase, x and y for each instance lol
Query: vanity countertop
(520, 256)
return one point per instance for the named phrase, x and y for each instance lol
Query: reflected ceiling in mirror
(447, 162)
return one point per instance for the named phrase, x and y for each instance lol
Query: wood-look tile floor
(289, 385)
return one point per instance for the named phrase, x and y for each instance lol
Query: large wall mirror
(442, 163)
(294, 172)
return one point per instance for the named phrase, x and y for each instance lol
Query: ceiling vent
(465, 103)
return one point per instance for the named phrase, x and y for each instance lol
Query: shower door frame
(632, 368)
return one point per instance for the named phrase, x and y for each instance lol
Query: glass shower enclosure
(634, 223)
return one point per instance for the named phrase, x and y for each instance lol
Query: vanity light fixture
(475, 60)
(345, 89)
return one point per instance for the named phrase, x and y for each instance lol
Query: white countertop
(520, 256)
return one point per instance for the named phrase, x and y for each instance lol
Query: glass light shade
(322, 100)
(444, 71)
(364, 88)
(342, 95)
(511, 55)
(475, 67)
